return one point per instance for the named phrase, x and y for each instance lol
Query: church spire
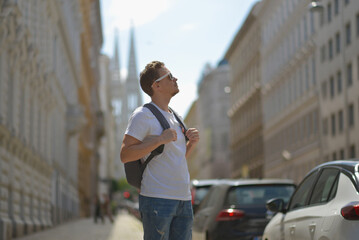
(132, 66)
(132, 83)
(115, 63)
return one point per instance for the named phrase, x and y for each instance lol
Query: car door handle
(292, 230)
(312, 227)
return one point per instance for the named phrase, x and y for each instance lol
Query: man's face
(166, 82)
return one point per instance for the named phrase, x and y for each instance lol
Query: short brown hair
(148, 76)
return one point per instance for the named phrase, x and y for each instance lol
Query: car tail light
(229, 215)
(193, 193)
(351, 211)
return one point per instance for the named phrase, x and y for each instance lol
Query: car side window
(206, 200)
(333, 192)
(300, 196)
(324, 188)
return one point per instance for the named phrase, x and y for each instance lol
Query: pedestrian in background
(165, 197)
(106, 207)
(97, 212)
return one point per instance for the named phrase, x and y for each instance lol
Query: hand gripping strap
(164, 125)
(180, 122)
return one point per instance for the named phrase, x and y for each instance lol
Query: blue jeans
(166, 219)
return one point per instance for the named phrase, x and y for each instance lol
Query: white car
(325, 206)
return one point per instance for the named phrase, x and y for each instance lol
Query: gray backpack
(134, 170)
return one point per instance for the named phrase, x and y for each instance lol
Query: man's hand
(168, 135)
(193, 135)
(133, 149)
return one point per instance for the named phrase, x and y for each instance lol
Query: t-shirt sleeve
(138, 125)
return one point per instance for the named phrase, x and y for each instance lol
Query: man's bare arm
(133, 149)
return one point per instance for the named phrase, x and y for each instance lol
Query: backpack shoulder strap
(158, 115)
(180, 122)
(164, 125)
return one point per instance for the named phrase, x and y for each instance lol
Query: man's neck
(161, 103)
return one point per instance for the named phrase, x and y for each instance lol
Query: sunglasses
(169, 74)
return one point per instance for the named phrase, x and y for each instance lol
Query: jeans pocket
(158, 206)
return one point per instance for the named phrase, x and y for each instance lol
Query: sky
(184, 34)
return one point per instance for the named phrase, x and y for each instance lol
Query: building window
(313, 71)
(321, 18)
(325, 126)
(306, 76)
(339, 82)
(305, 32)
(336, 7)
(329, 12)
(333, 124)
(309, 125)
(315, 122)
(2, 63)
(22, 110)
(117, 107)
(349, 75)
(330, 49)
(332, 87)
(132, 101)
(337, 43)
(311, 23)
(341, 121)
(324, 89)
(54, 54)
(334, 156)
(351, 115)
(341, 154)
(322, 53)
(358, 25)
(10, 105)
(352, 151)
(348, 34)
(347, 2)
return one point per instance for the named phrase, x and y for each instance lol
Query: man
(165, 197)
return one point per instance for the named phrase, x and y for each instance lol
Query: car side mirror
(275, 205)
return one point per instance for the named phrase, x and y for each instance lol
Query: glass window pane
(257, 195)
(301, 196)
(324, 186)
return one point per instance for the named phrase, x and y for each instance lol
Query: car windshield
(258, 195)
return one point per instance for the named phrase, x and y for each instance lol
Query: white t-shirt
(166, 176)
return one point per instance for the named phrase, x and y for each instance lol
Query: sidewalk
(126, 227)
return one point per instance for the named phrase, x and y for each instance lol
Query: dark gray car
(237, 209)
(200, 188)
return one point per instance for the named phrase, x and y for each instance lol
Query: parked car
(199, 189)
(236, 209)
(324, 206)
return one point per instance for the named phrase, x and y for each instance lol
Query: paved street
(126, 227)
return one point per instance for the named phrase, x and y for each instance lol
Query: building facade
(40, 113)
(289, 79)
(191, 120)
(338, 78)
(108, 143)
(213, 122)
(245, 111)
(308, 61)
(90, 135)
